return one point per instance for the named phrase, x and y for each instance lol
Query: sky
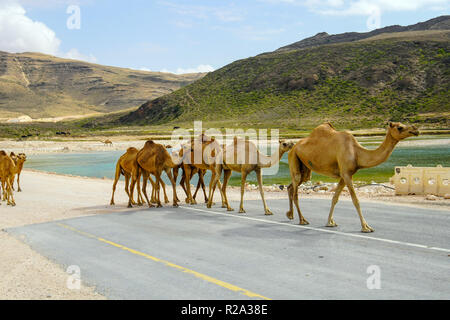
(183, 36)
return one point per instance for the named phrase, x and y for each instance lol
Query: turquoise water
(102, 164)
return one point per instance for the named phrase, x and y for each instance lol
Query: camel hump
(149, 142)
(130, 149)
(329, 124)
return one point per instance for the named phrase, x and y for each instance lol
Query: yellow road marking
(202, 276)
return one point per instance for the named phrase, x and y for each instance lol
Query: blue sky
(180, 36)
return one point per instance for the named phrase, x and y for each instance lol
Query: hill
(395, 74)
(38, 86)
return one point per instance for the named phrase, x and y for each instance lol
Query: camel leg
(243, 179)
(201, 177)
(349, 182)
(134, 177)
(139, 198)
(337, 193)
(198, 184)
(187, 182)
(290, 213)
(18, 183)
(158, 184)
(10, 197)
(127, 185)
(182, 184)
(295, 185)
(175, 177)
(226, 178)
(145, 176)
(166, 199)
(267, 211)
(212, 185)
(174, 188)
(116, 179)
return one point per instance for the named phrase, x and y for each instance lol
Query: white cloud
(227, 13)
(199, 68)
(19, 33)
(76, 55)
(367, 7)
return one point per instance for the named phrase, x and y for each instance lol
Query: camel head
(21, 157)
(400, 131)
(285, 146)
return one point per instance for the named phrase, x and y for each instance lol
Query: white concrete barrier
(422, 180)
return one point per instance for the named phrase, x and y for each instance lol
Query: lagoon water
(102, 164)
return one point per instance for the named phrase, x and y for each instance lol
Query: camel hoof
(175, 205)
(159, 205)
(290, 215)
(303, 222)
(367, 229)
(241, 211)
(331, 224)
(111, 203)
(129, 206)
(230, 209)
(268, 213)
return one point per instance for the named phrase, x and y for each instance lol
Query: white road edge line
(361, 236)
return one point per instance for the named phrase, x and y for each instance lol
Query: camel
(153, 159)
(337, 154)
(254, 161)
(107, 142)
(7, 172)
(125, 166)
(210, 150)
(19, 160)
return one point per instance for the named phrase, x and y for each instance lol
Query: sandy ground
(49, 197)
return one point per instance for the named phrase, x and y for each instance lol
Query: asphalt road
(196, 253)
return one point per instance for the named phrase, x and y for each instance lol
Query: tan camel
(7, 172)
(338, 155)
(243, 156)
(107, 142)
(209, 150)
(200, 183)
(153, 159)
(19, 160)
(125, 166)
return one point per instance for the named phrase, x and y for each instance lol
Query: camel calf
(19, 160)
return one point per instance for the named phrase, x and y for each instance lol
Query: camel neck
(268, 162)
(371, 158)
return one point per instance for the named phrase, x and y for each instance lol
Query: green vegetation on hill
(356, 84)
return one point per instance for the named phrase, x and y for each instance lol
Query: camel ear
(391, 124)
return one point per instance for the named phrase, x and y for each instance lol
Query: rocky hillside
(38, 85)
(358, 83)
(439, 23)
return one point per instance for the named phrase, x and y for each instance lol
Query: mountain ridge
(40, 85)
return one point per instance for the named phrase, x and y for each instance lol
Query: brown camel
(19, 160)
(209, 151)
(125, 166)
(153, 159)
(338, 155)
(7, 172)
(107, 142)
(243, 156)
